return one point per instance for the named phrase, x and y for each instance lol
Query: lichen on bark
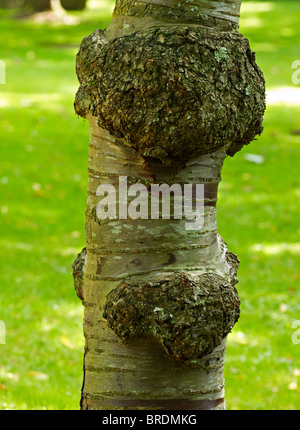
(189, 315)
(173, 93)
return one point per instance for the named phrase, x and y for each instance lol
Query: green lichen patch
(173, 93)
(188, 315)
(221, 54)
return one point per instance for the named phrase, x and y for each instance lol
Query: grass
(258, 216)
(43, 181)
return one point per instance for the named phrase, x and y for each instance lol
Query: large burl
(170, 101)
(188, 315)
(173, 93)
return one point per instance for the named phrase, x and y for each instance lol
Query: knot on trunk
(189, 315)
(173, 93)
(79, 266)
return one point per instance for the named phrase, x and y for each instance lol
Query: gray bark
(169, 91)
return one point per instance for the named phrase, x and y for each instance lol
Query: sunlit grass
(286, 95)
(43, 180)
(260, 208)
(277, 248)
(258, 216)
(254, 6)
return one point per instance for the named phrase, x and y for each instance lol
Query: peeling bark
(169, 92)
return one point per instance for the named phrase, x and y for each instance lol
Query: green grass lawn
(43, 181)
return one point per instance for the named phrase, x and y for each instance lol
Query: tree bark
(73, 4)
(169, 91)
(37, 5)
(44, 5)
(10, 4)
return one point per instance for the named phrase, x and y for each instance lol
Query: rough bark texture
(188, 315)
(78, 272)
(173, 93)
(166, 103)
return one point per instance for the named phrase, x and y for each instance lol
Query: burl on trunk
(170, 89)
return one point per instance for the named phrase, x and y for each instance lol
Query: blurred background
(43, 182)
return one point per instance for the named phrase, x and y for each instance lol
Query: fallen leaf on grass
(66, 342)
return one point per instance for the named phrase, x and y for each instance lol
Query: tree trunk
(10, 4)
(44, 5)
(169, 91)
(37, 5)
(73, 4)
